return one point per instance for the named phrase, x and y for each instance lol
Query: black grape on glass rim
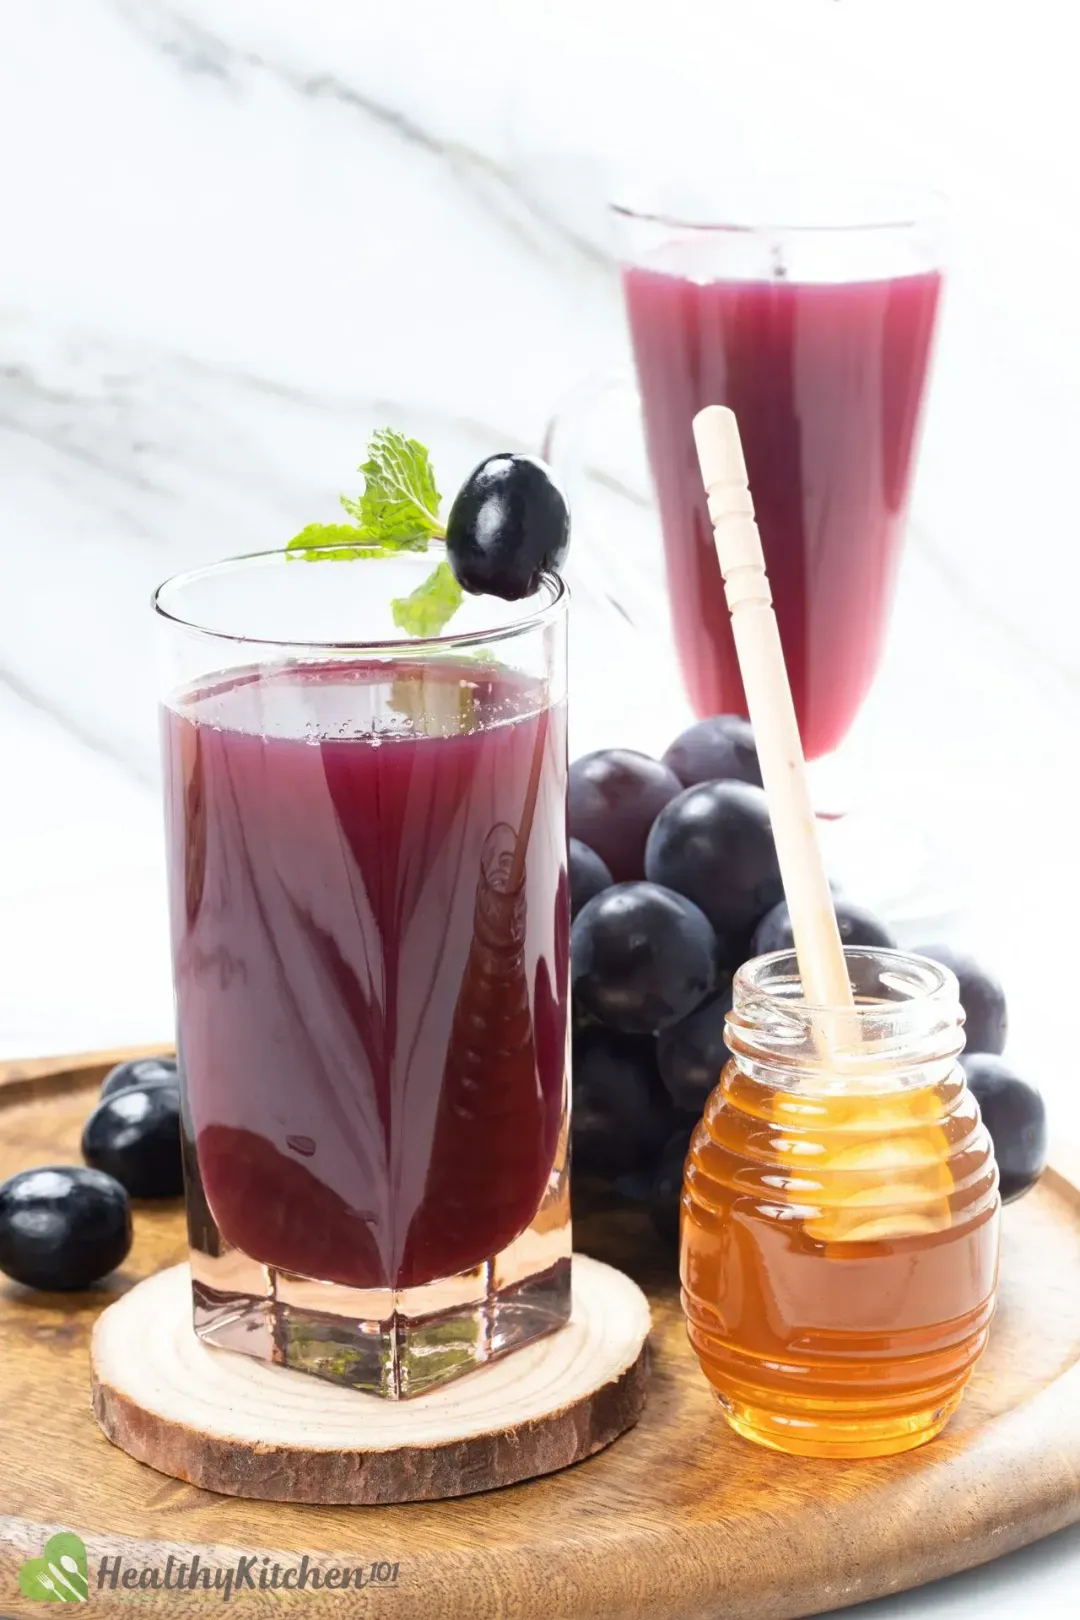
(641, 957)
(714, 844)
(615, 795)
(508, 525)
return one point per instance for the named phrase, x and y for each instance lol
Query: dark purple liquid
(827, 383)
(371, 996)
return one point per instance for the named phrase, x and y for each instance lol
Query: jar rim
(929, 979)
(906, 1024)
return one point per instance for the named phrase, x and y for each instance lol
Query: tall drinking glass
(370, 932)
(818, 335)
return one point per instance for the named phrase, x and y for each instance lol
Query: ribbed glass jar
(840, 1212)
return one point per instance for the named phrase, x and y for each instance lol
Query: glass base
(812, 1435)
(407, 1346)
(399, 1353)
(395, 1343)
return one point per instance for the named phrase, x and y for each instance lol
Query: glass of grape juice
(366, 839)
(840, 1212)
(810, 310)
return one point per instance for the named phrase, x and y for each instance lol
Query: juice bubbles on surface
(372, 1007)
(826, 379)
(840, 1231)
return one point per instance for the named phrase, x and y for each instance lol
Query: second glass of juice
(817, 332)
(370, 929)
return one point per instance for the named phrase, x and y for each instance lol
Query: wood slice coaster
(227, 1423)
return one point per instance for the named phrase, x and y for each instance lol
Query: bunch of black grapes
(675, 883)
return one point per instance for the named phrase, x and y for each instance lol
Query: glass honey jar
(840, 1212)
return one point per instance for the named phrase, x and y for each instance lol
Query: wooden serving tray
(678, 1520)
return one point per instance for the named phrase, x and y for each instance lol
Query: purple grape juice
(371, 978)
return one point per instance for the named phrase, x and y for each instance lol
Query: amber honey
(840, 1215)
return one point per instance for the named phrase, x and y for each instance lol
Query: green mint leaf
(400, 497)
(323, 542)
(405, 541)
(316, 535)
(398, 511)
(426, 610)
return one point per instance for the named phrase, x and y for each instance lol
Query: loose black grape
(621, 1115)
(134, 1135)
(857, 927)
(1015, 1115)
(981, 996)
(62, 1226)
(615, 796)
(641, 957)
(509, 524)
(719, 749)
(714, 844)
(691, 1053)
(588, 875)
(142, 1072)
(667, 1185)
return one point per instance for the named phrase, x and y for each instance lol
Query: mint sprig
(398, 510)
(400, 499)
(424, 611)
(321, 541)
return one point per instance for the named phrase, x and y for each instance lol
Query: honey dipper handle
(768, 694)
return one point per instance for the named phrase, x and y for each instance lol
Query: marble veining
(200, 51)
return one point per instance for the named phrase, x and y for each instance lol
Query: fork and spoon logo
(60, 1574)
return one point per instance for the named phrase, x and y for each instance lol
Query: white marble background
(236, 236)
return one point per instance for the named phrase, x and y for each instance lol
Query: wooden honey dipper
(822, 968)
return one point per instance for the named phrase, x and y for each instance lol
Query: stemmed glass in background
(815, 324)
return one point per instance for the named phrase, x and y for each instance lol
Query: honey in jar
(840, 1212)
